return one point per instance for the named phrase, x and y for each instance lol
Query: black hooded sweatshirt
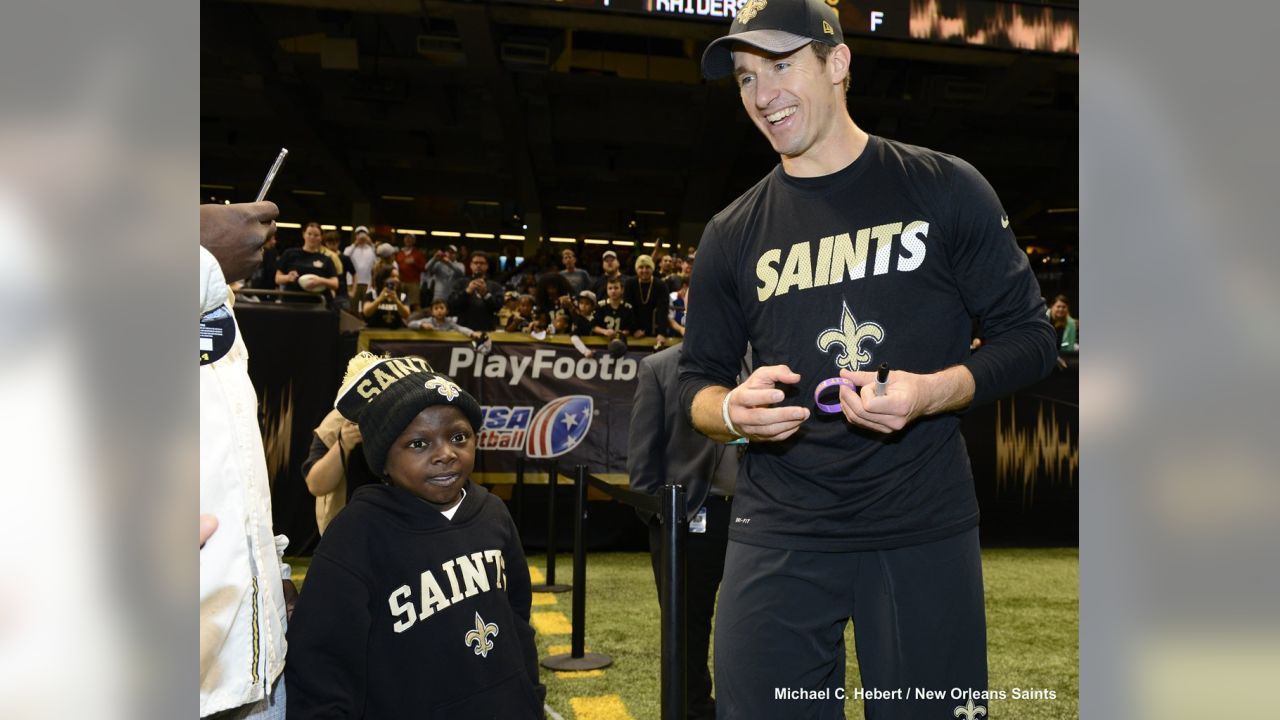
(406, 613)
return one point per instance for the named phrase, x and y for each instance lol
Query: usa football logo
(560, 426)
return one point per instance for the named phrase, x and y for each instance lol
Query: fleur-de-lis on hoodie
(850, 336)
(480, 636)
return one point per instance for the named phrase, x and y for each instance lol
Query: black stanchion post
(550, 585)
(578, 658)
(674, 617)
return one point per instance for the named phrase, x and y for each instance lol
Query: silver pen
(271, 174)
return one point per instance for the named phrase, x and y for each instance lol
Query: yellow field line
(550, 623)
(600, 707)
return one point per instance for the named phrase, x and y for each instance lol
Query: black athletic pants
(704, 565)
(918, 622)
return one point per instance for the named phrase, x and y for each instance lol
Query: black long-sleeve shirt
(887, 260)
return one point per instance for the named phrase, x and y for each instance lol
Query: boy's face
(615, 290)
(585, 306)
(525, 306)
(434, 455)
(561, 323)
(439, 311)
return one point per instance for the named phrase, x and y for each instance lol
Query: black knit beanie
(383, 395)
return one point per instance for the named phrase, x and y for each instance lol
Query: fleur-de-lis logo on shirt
(445, 387)
(750, 10)
(480, 636)
(850, 335)
(970, 711)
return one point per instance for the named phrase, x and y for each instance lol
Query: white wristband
(724, 413)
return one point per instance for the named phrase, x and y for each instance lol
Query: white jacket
(242, 611)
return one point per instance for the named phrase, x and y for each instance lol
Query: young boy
(510, 300)
(439, 320)
(583, 322)
(615, 314)
(523, 316)
(417, 600)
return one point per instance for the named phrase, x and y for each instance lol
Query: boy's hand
(290, 598)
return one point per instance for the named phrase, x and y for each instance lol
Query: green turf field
(1032, 614)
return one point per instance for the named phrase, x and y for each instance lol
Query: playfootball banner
(545, 400)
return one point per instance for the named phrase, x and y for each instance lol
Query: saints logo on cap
(826, 28)
(750, 10)
(445, 387)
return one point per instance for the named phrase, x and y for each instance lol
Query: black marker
(882, 379)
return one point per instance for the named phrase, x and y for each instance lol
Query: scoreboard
(1034, 27)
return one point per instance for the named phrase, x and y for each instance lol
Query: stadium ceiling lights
(445, 233)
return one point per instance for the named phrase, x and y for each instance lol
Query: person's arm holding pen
(906, 397)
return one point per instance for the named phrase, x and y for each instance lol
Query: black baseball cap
(775, 26)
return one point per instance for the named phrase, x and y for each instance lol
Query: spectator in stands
(551, 294)
(363, 256)
(440, 321)
(578, 278)
(510, 299)
(411, 261)
(384, 305)
(666, 265)
(386, 253)
(346, 273)
(1067, 327)
(476, 304)
(308, 260)
(615, 314)
(679, 275)
(523, 315)
(264, 276)
(584, 322)
(609, 270)
(508, 262)
(334, 257)
(649, 298)
(679, 305)
(444, 270)
(362, 644)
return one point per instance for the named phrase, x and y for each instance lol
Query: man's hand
(236, 233)
(907, 396)
(750, 405)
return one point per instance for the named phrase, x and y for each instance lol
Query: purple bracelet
(829, 382)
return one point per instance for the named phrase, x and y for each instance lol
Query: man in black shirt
(855, 251)
(476, 303)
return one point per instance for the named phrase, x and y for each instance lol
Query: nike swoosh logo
(1004, 221)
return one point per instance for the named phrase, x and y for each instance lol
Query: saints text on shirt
(475, 571)
(840, 257)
